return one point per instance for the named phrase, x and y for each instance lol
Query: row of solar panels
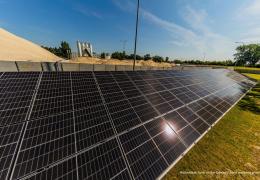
(107, 125)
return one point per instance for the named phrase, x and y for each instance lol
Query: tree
(138, 57)
(147, 57)
(158, 59)
(119, 55)
(103, 55)
(247, 54)
(167, 59)
(63, 51)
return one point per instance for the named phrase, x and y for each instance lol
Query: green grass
(247, 68)
(232, 145)
(253, 76)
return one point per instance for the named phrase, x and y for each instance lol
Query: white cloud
(87, 12)
(252, 35)
(211, 42)
(198, 38)
(253, 8)
(248, 15)
(124, 5)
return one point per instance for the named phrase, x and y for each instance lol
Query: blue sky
(184, 29)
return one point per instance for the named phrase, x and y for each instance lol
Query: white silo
(79, 48)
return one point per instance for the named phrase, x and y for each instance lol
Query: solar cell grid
(187, 96)
(155, 99)
(142, 153)
(170, 146)
(132, 93)
(92, 126)
(45, 141)
(51, 106)
(47, 129)
(118, 106)
(20, 75)
(8, 142)
(145, 112)
(49, 86)
(14, 89)
(121, 78)
(113, 97)
(40, 156)
(175, 121)
(52, 93)
(213, 100)
(110, 88)
(198, 90)
(158, 87)
(86, 100)
(145, 89)
(16, 82)
(167, 96)
(152, 81)
(208, 113)
(126, 86)
(169, 85)
(65, 170)
(146, 161)
(166, 139)
(6, 155)
(134, 138)
(137, 101)
(100, 125)
(15, 98)
(129, 89)
(125, 119)
(187, 114)
(140, 82)
(163, 108)
(188, 135)
(137, 74)
(102, 162)
(93, 135)
(11, 116)
(87, 76)
(55, 75)
(122, 175)
(175, 103)
(102, 80)
(210, 86)
(186, 81)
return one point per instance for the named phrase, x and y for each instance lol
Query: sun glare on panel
(168, 130)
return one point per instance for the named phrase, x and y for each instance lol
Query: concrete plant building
(85, 49)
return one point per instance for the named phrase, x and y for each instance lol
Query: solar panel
(108, 125)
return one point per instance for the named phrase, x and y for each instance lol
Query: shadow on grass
(251, 101)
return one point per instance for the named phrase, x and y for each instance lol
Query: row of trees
(246, 55)
(63, 51)
(124, 56)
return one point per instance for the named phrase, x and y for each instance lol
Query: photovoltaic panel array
(108, 125)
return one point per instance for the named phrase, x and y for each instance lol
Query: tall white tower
(79, 48)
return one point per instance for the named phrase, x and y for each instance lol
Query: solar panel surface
(107, 125)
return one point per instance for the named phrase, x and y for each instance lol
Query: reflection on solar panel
(107, 125)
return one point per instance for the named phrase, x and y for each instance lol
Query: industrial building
(85, 49)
